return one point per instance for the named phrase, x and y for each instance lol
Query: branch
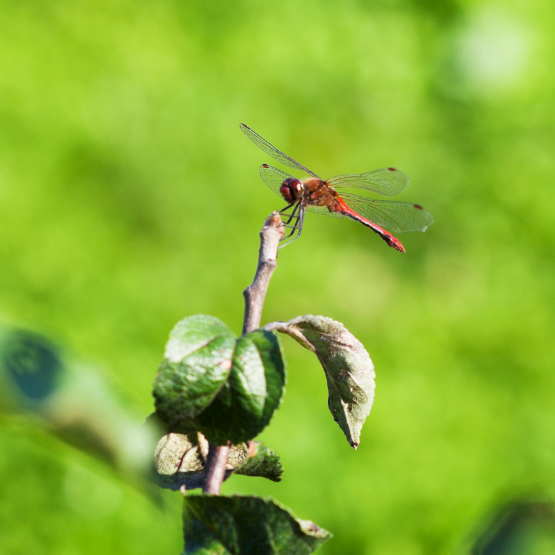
(216, 469)
(254, 294)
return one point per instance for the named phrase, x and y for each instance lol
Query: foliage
(240, 524)
(214, 387)
(349, 370)
(72, 402)
(224, 387)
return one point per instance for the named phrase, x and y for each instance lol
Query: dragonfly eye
(291, 189)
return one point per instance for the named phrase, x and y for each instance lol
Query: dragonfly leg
(290, 221)
(299, 225)
(301, 222)
(286, 208)
(292, 215)
(292, 226)
(292, 231)
(296, 230)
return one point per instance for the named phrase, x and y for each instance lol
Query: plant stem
(254, 295)
(216, 469)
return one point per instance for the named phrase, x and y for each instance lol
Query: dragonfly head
(291, 189)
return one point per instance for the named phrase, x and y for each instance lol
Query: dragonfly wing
(273, 177)
(322, 211)
(270, 149)
(385, 181)
(396, 217)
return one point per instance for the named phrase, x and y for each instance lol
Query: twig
(254, 294)
(216, 469)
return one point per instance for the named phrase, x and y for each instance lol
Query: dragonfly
(333, 196)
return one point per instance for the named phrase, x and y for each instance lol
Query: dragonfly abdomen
(346, 210)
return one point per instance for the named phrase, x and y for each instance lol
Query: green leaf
(246, 524)
(263, 463)
(224, 387)
(71, 400)
(253, 391)
(196, 365)
(347, 365)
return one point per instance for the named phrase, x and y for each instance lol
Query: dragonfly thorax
(291, 189)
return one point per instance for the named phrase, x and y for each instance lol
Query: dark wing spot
(265, 166)
(418, 206)
(392, 169)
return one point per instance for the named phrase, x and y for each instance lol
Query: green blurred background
(130, 199)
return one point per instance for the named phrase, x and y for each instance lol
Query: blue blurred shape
(30, 368)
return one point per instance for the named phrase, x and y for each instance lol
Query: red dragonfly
(328, 196)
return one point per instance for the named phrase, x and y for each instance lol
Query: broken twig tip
(273, 220)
